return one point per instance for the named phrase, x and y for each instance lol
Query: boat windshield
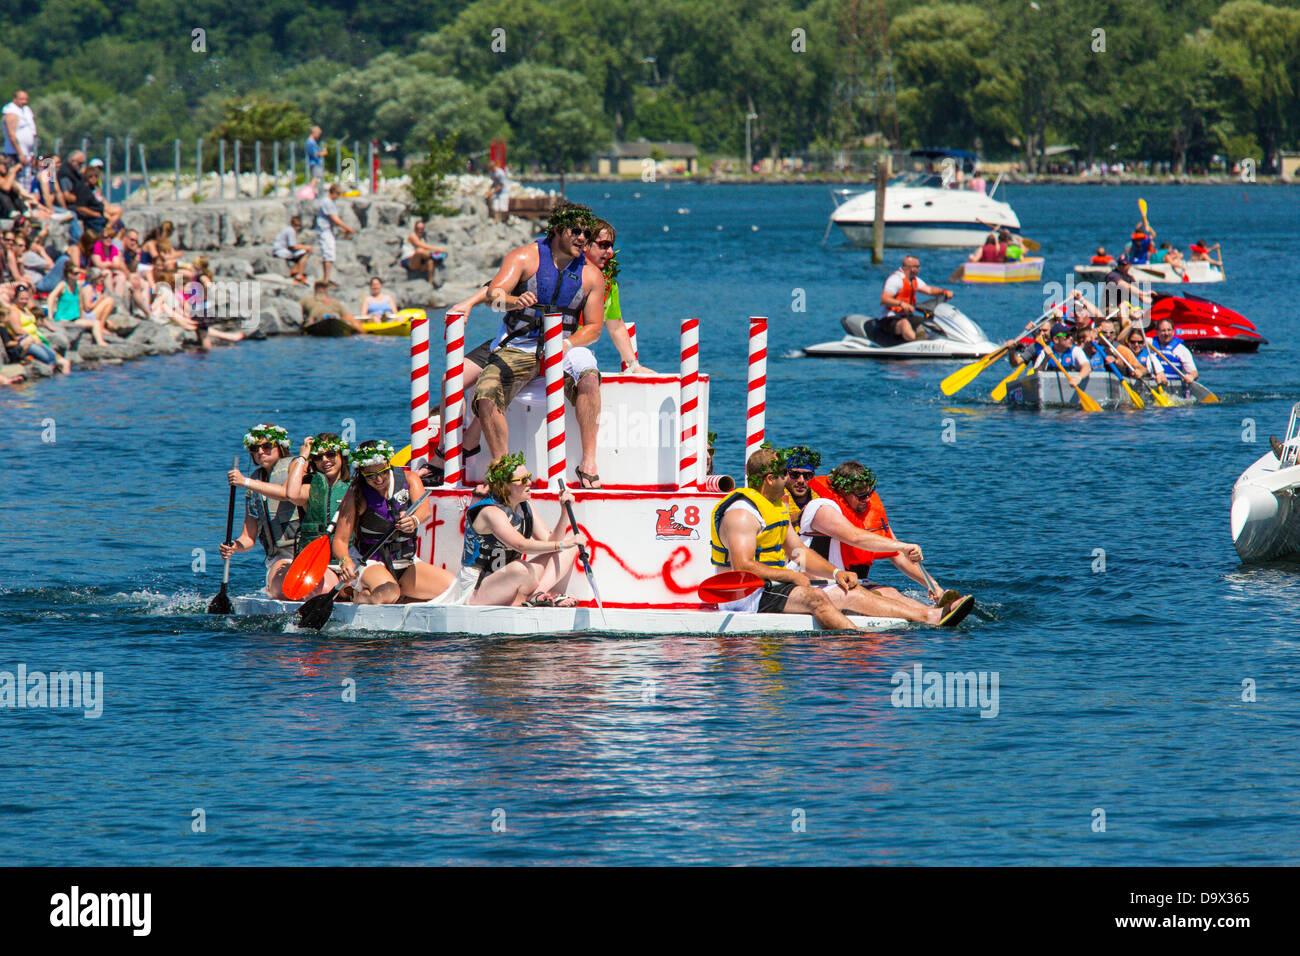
(918, 180)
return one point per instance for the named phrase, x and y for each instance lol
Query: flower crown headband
(501, 472)
(321, 444)
(374, 453)
(263, 433)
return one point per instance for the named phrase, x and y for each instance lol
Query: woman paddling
(377, 501)
(318, 490)
(500, 530)
(270, 518)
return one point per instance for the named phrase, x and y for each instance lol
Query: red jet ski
(1207, 326)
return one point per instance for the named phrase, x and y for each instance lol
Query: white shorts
(501, 202)
(326, 245)
(397, 565)
(578, 360)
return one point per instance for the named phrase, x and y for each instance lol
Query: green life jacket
(277, 522)
(1014, 252)
(322, 504)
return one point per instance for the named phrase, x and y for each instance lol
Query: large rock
(112, 352)
(157, 339)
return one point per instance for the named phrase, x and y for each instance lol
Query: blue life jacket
(1141, 248)
(1172, 368)
(556, 290)
(1098, 357)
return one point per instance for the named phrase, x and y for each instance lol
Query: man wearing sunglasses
(549, 275)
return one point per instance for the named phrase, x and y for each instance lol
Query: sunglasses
(865, 493)
(522, 480)
(324, 454)
(577, 231)
(800, 475)
(262, 448)
(374, 474)
(606, 244)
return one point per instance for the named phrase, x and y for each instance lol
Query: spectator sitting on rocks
(327, 217)
(107, 258)
(95, 300)
(38, 268)
(166, 307)
(157, 251)
(89, 207)
(112, 212)
(48, 193)
(321, 305)
(24, 330)
(199, 303)
(377, 303)
(14, 199)
(9, 268)
(139, 280)
(417, 255)
(65, 306)
(288, 248)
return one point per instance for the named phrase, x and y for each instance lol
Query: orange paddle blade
(728, 586)
(307, 569)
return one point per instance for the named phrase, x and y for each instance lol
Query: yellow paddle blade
(1086, 401)
(1163, 400)
(957, 273)
(1134, 397)
(1000, 389)
(1209, 398)
(964, 376)
(1142, 207)
(1030, 244)
(403, 457)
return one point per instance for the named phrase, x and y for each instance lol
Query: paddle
(316, 611)
(1156, 392)
(1142, 208)
(957, 273)
(1086, 401)
(728, 586)
(1000, 389)
(309, 567)
(586, 562)
(959, 379)
(220, 604)
(1028, 244)
(1202, 393)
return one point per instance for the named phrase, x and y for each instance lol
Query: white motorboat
(1265, 513)
(429, 618)
(1197, 272)
(921, 212)
(950, 334)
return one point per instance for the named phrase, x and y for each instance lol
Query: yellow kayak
(401, 325)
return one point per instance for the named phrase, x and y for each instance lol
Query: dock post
(878, 222)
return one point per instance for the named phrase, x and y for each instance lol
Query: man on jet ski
(899, 299)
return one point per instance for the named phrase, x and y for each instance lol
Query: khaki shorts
(507, 370)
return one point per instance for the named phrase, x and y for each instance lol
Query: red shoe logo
(667, 529)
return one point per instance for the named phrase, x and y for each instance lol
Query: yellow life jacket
(770, 543)
(795, 511)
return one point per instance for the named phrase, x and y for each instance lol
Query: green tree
(554, 118)
(428, 187)
(257, 117)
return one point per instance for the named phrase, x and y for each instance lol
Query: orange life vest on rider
(906, 294)
(873, 519)
(1102, 260)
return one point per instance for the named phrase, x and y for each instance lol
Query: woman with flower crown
(270, 518)
(377, 500)
(500, 531)
(318, 491)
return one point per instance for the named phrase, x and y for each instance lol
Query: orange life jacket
(906, 294)
(873, 519)
(1102, 260)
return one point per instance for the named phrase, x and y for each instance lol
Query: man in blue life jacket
(549, 275)
(1072, 358)
(1141, 243)
(1170, 354)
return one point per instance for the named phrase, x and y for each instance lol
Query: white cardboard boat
(1049, 388)
(1265, 514)
(1198, 272)
(428, 618)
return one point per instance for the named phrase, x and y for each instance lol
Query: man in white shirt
(20, 137)
(899, 299)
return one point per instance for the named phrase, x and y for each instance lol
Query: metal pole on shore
(293, 166)
(878, 222)
(108, 169)
(126, 188)
(176, 175)
(338, 160)
(85, 146)
(237, 145)
(144, 171)
(198, 167)
(58, 141)
(221, 168)
(257, 166)
(275, 151)
(356, 160)
(371, 167)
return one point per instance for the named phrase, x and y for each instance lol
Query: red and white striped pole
(419, 388)
(553, 370)
(756, 397)
(689, 402)
(631, 335)
(455, 388)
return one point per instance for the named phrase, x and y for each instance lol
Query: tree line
(1168, 80)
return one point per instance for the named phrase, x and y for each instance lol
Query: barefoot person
(846, 524)
(511, 557)
(549, 275)
(899, 299)
(376, 504)
(270, 518)
(750, 531)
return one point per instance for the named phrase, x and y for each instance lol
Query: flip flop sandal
(563, 600)
(948, 597)
(585, 480)
(540, 599)
(958, 611)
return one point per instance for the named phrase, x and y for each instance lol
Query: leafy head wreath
(372, 453)
(859, 482)
(502, 471)
(568, 214)
(803, 458)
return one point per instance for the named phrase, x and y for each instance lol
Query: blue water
(1120, 689)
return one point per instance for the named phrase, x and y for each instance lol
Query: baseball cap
(97, 162)
(1060, 328)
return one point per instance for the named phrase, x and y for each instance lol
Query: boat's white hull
(852, 346)
(1265, 515)
(924, 217)
(1049, 388)
(915, 235)
(427, 618)
(1198, 273)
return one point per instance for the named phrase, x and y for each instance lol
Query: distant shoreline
(788, 179)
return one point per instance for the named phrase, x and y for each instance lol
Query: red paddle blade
(728, 586)
(307, 569)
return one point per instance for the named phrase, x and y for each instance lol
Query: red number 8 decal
(692, 515)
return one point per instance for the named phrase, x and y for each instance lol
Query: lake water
(1112, 606)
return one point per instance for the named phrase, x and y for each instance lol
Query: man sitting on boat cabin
(899, 298)
(750, 531)
(549, 275)
(845, 522)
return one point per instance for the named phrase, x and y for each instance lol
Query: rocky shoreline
(236, 236)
